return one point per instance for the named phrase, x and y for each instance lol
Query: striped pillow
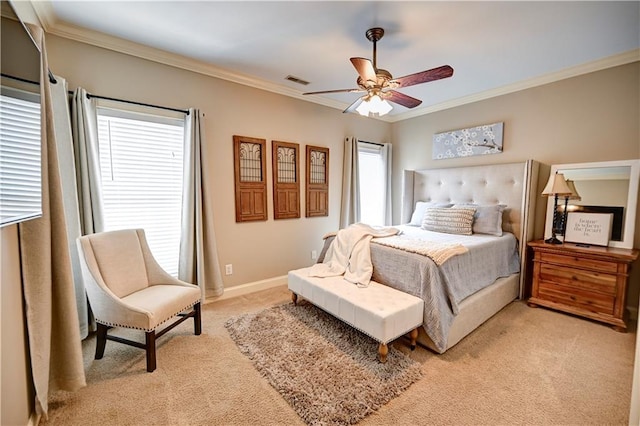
(450, 221)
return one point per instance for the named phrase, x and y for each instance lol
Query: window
(20, 164)
(372, 174)
(141, 163)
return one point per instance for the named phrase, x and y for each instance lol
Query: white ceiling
(494, 47)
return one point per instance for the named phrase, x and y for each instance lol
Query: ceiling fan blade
(365, 70)
(334, 91)
(425, 76)
(402, 99)
(353, 106)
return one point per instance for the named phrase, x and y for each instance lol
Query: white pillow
(421, 207)
(449, 220)
(488, 219)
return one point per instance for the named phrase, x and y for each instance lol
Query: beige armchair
(127, 288)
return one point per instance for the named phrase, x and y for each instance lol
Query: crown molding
(52, 25)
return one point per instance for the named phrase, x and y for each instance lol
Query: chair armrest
(155, 273)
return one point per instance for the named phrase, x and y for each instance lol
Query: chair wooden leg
(197, 319)
(150, 338)
(101, 340)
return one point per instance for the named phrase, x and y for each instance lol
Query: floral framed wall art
(479, 140)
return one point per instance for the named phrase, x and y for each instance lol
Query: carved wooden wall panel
(317, 181)
(286, 180)
(250, 157)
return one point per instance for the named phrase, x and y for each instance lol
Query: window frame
(109, 109)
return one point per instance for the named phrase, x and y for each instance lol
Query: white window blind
(141, 166)
(372, 183)
(20, 160)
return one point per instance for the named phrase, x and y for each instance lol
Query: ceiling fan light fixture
(374, 105)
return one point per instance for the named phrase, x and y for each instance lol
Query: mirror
(603, 187)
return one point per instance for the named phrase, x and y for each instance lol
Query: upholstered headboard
(512, 184)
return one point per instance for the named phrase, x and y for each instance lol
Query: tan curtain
(84, 126)
(199, 262)
(64, 145)
(350, 207)
(47, 277)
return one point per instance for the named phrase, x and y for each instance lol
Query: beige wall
(593, 117)
(258, 250)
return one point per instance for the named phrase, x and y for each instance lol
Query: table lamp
(556, 186)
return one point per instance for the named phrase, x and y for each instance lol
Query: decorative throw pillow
(421, 207)
(488, 219)
(449, 220)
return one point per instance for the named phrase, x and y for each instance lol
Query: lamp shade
(374, 105)
(574, 192)
(556, 185)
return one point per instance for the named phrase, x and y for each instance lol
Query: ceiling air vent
(296, 80)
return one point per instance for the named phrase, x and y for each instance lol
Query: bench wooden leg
(413, 336)
(383, 350)
(294, 298)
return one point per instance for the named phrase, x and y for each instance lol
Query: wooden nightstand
(586, 281)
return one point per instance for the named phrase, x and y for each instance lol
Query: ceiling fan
(379, 84)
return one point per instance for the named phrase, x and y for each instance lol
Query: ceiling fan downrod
(373, 35)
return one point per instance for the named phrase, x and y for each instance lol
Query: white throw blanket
(349, 254)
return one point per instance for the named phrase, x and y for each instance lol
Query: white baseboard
(249, 288)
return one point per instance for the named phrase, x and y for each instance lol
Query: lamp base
(553, 240)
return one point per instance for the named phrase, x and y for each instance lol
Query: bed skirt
(476, 309)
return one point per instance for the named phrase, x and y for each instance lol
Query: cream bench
(379, 311)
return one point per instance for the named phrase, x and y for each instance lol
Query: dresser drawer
(587, 301)
(580, 262)
(579, 279)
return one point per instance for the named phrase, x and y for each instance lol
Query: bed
(456, 302)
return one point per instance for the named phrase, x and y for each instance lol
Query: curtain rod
(24, 80)
(372, 143)
(89, 96)
(53, 81)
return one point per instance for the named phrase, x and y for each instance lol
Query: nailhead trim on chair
(111, 324)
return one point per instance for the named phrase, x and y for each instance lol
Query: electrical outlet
(314, 254)
(228, 269)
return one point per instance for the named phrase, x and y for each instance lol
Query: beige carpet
(326, 370)
(524, 366)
